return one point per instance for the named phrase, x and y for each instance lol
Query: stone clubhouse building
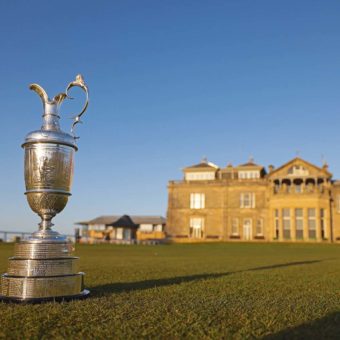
(296, 202)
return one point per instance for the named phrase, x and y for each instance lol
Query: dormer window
(204, 171)
(249, 174)
(200, 176)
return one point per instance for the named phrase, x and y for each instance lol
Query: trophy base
(83, 295)
(42, 269)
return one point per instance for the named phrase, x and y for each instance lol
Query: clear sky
(170, 82)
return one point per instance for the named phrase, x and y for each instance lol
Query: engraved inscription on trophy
(50, 169)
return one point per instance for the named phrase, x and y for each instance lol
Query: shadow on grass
(120, 287)
(280, 265)
(327, 327)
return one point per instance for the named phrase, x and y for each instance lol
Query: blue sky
(170, 82)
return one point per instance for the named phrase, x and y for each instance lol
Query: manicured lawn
(193, 291)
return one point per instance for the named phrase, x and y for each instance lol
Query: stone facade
(297, 202)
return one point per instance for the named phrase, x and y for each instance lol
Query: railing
(220, 180)
(22, 235)
(302, 190)
(14, 234)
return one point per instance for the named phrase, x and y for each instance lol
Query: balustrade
(299, 185)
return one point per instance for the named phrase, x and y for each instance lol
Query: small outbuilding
(125, 229)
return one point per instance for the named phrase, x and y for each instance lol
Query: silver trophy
(42, 267)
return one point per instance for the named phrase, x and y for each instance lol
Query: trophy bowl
(48, 176)
(46, 204)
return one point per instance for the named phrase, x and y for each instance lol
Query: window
(234, 226)
(322, 223)
(119, 233)
(259, 227)
(126, 234)
(158, 227)
(197, 201)
(146, 227)
(276, 223)
(249, 174)
(247, 200)
(247, 229)
(299, 223)
(97, 227)
(286, 223)
(200, 176)
(196, 227)
(298, 189)
(298, 170)
(311, 223)
(338, 203)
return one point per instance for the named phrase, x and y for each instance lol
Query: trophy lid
(50, 136)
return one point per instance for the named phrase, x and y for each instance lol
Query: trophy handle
(80, 83)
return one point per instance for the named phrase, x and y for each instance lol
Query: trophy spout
(57, 100)
(40, 91)
(50, 108)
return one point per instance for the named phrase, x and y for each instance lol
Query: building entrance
(247, 229)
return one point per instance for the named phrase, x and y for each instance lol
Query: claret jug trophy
(43, 267)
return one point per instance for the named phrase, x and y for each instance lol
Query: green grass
(193, 291)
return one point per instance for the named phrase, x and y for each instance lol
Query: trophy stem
(46, 223)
